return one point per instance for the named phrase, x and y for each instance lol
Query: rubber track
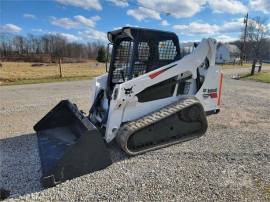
(128, 129)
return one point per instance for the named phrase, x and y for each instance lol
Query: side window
(167, 50)
(143, 51)
(141, 61)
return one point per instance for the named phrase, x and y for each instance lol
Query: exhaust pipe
(69, 145)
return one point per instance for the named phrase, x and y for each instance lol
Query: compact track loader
(151, 97)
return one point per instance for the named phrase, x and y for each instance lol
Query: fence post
(60, 68)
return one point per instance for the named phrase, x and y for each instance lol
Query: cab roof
(136, 32)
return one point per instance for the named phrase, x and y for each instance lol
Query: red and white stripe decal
(155, 74)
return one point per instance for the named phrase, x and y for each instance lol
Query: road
(229, 163)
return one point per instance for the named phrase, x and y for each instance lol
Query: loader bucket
(69, 145)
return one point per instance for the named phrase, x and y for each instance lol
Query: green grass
(234, 66)
(262, 77)
(245, 65)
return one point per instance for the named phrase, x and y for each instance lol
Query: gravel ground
(230, 163)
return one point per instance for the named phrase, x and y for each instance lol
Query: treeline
(249, 52)
(50, 47)
(53, 45)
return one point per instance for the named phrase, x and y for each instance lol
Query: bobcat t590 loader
(150, 98)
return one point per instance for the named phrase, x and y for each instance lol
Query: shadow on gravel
(116, 153)
(20, 168)
(19, 165)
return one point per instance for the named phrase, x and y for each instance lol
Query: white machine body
(125, 107)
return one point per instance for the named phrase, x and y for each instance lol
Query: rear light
(213, 95)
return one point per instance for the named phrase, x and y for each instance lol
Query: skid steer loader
(150, 98)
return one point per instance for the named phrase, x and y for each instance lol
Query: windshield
(134, 58)
(122, 61)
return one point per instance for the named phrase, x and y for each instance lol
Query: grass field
(262, 77)
(245, 65)
(231, 66)
(12, 73)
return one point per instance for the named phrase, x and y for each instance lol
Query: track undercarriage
(177, 122)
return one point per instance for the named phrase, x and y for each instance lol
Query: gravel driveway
(230, 163)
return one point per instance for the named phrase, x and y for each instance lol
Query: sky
(90, 20)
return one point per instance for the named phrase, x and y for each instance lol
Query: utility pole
(243, 52)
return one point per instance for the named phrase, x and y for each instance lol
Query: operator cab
(137, 51)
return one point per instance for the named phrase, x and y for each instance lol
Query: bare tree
(257, 33)
(53, 45)
(5, 44)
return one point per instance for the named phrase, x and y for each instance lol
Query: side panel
(115, 116)
(98, 83)
(210, 85)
